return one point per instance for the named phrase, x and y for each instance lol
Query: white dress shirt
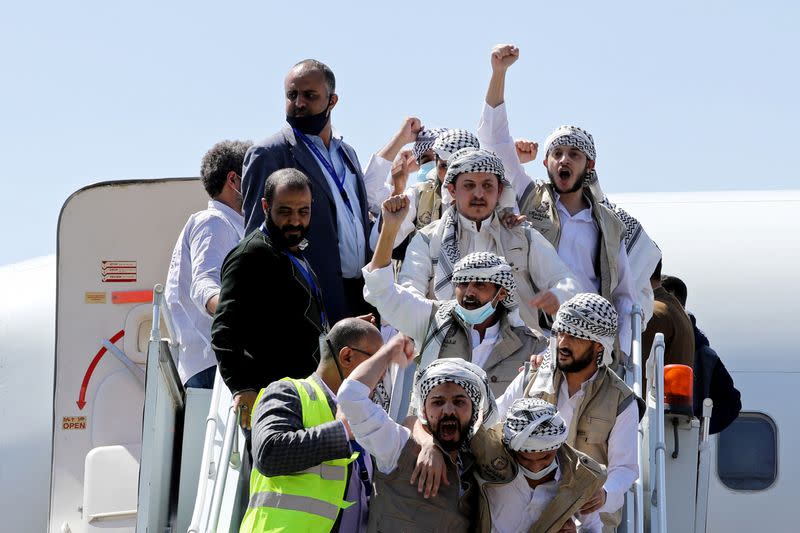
(580, 234)
(350, 230)
(516, 506)
(623, 465)
(372, 428)
(194, 278)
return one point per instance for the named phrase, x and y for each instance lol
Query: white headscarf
(469, 376)
(453, 140)
(487, 267)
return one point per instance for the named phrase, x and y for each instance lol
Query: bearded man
(606, 248)
(268, 291)
(600, 410)
(451, 398)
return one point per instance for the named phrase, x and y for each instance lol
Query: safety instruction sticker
(118, 271)
(94, 297)
(73, 422)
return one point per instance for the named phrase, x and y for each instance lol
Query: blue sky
(679, 96)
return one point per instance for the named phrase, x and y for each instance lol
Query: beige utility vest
(581, 477)
(513, 244)
(538, 203)
(449, 336)
(397, 506)
(429, 202)
(604, 399)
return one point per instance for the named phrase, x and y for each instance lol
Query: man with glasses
(310, 474)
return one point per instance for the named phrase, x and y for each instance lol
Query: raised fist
(410, 129)
(394, 210)
(526, 150)
(503, 56)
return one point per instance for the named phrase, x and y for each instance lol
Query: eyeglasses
(360, 351)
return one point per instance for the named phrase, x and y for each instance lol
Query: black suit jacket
(284, 150)
(267, 323)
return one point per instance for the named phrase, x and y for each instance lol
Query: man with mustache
(480, 324)
(600, 410)
(451, 397)
(475, 178)
(270, 291)
(342, 194)
(591, 238)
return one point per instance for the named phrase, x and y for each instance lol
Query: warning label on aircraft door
(118, 271)
(73, 422)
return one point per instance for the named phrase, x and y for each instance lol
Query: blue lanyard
(329, 167)
(363, 473)
(305, 270)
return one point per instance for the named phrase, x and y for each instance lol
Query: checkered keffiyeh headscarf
(425, 141)
(589, 316)
(469, 376)
(487, 267)
(475, 160)
(533, 425)
(451, 141)
(580, 139)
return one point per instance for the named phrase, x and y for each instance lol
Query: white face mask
(536, 476)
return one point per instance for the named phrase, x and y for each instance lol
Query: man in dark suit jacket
(342, 194)
(270, 313)
(283, 445)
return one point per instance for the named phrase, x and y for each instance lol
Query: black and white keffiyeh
(487, 267)
(466, 374)
(475, 160)
(589, 316)
(533, 425)
(578, 138)
(453, 140)
(425, 141)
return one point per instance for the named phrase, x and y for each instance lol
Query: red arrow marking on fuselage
(99, 355)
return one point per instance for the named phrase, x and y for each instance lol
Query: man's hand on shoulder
(503, 56)
(343, 419)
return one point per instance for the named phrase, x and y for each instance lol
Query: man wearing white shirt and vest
(452, 398)
(475, 179)
(554, 479)
(193, 281)
(481, 324)
(309, 474)
(343, 195)
(600, 410)
(606, 248)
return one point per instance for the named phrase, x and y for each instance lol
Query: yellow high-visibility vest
(304, 501)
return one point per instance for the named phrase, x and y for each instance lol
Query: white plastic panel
(117, 410)
(110, 486)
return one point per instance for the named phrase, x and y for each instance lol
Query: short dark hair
(290, 178)
(222, 158)
(657, 272)
(313, 64)
(676, 287)
(346, 332)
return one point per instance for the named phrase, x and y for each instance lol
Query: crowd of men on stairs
(439, 355)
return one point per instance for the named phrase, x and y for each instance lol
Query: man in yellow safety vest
(310, 475)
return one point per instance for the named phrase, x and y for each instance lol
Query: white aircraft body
(75, 339)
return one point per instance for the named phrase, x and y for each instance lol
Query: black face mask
(310, 124)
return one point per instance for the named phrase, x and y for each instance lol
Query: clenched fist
(503, 56)
(394, 210)
(526, 150)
